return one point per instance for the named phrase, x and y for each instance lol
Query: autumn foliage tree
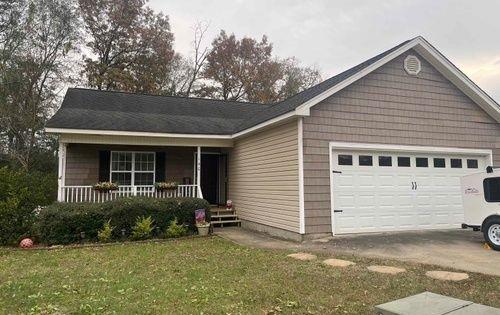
(245, 69)
(131, 46)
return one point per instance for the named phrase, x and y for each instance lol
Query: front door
(210, 177)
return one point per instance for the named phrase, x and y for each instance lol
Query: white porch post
(198, 171)
(61, 172)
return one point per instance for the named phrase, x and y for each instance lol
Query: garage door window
(472, 163)
(345, 159)
(365, 160)
(456, 163)
(403, 161)
(422, 162)
(385, 161)
(439, 162)
(492, 189)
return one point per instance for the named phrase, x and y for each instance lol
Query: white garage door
(390, 191)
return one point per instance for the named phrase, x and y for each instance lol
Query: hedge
(21, 193)
(63, 223)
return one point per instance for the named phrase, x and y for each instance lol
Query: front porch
(89, 194)
(199, 172)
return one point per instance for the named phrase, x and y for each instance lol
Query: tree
(132, 46)
(35, 44)
(246, 70)
(188, 70)
(296, 78)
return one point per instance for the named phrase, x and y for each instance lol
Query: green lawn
(207, 276)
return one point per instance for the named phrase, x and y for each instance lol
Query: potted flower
(201, 224)
(161, 186)
(203, 228)
(105, 186)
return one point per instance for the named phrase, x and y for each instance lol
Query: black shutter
(160, 167)
(104, 158)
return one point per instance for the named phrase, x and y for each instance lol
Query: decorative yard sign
(199, 215)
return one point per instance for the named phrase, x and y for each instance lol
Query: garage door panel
(392, 198)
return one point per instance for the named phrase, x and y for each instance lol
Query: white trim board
(407, 148)
(302, 219)
(134, 133)
(354, 146)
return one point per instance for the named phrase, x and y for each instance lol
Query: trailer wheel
(491, 231)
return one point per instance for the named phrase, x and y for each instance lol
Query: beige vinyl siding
(263, 177)
(82, 161)
(389, 106)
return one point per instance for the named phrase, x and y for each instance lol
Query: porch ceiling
(144, 140)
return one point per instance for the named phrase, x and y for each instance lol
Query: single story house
(379, 147)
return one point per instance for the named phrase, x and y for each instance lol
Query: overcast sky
(335, 35)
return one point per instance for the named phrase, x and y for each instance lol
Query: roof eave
(133, 133)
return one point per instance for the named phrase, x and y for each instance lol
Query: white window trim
(132, 171)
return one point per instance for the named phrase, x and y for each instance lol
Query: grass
(208, 276)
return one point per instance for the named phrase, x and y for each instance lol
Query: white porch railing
(88, 194)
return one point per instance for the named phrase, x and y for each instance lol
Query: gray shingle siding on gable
(389, 106)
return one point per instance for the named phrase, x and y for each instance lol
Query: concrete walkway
(458, 249)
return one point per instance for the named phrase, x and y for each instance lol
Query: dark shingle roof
(106, 110)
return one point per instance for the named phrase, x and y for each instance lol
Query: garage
(380, 188)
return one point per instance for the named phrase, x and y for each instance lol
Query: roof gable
(431, 55)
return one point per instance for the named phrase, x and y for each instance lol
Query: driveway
(458, 249)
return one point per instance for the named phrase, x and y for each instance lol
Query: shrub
(61, 223)
(105, 234)
(175, 229)
(21, 193)
(143, 228)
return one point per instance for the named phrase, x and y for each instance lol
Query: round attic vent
(412, 65)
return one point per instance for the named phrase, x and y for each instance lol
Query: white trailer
(481, 201)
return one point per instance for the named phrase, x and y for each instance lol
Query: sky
(336, 35)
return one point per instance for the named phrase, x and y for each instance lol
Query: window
(422, 162)
(472, 163)
(345, 159)
(456, 163)
(365, 160)
(403, 161)
(439, 162)
(385, 161)
(492, 189)
(133, 168)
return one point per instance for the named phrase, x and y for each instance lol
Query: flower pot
(203, 230)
